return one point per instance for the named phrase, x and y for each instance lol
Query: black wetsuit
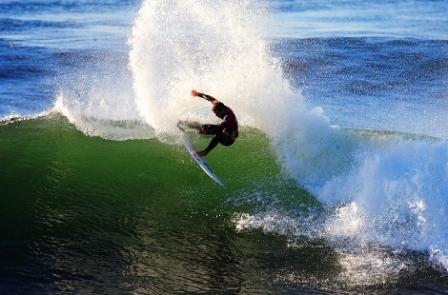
(225, 133)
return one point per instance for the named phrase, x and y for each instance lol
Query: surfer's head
(219, 109)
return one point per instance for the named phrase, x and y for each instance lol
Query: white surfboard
(201, 162)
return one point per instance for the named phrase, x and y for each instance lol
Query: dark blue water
(43, 43)
(376, 83)
(339, 55)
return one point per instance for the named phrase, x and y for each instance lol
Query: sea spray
(216, 47)
(98, 97)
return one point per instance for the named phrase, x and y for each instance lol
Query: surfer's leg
(194, 125)
(227, 142)
(213, 143)
(219, 138)
(209, 128)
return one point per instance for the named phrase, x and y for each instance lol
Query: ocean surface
(338, 183)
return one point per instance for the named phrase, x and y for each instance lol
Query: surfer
(225, 133)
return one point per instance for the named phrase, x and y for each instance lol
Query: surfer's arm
(207, 97)
(204, 96)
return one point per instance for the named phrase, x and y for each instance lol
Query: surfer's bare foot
(202, 153)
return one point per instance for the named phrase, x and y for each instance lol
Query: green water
(139, 216)
(86, 215)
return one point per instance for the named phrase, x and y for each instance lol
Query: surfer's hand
(194, 93)
(200, 131)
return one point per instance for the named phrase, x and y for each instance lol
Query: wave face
(380, 188)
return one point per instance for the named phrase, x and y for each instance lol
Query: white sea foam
(389, 192)
(396, 196)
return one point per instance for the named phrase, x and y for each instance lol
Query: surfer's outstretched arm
(204, 96)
